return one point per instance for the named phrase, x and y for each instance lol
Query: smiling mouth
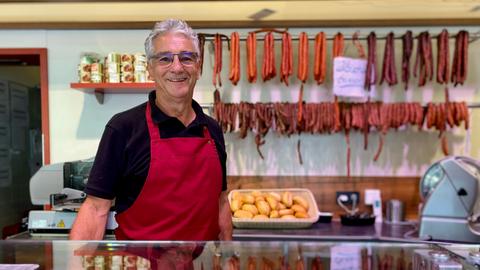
(181, 79)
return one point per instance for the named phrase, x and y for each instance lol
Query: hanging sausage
(320, 60)
(302, 72)
(424, 59)
(443, 57)
(371, 70)
(252, 57)
(268, 66)
(407, 44)
(389, 71)
(234, 76)
(217, 66)
(286, 67)
(460, 58)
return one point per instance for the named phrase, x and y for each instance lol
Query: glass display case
(63, 254)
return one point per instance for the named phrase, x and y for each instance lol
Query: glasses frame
(157, 56)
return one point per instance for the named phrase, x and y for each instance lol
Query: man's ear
(199, 66)
(150, 71)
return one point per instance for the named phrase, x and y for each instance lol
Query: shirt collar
(158, 116)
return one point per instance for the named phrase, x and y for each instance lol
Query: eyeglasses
(165, 59)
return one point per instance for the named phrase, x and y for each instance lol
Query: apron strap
(152, 127)
(206, 133)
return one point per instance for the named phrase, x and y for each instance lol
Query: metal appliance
(450, 190)
(60, 186)
(428, 259)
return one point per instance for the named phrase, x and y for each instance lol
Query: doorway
(24, 130)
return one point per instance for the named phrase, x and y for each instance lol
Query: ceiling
(217, 14)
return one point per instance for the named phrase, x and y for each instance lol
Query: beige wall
(77, 120)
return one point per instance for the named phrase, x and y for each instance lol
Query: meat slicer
(60, 186)
(450, 190)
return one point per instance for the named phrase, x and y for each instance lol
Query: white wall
(77, 120)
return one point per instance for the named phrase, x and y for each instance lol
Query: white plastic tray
(277, 223)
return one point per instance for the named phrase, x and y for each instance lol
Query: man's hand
(91, 219)
(225, 218)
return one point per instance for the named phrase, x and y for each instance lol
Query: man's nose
(176, 64)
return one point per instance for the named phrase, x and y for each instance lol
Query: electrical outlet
(349, 195)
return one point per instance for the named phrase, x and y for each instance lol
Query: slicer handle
(470, 161)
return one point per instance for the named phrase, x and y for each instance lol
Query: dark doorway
(22, 136)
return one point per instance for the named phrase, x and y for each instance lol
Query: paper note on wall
(345, 258)
(349, 77)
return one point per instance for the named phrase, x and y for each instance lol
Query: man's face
(174, 79)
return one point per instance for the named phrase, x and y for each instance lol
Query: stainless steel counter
(59, 254)
(334, 231)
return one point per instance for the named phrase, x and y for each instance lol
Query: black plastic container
(357, 220)
(325, 217)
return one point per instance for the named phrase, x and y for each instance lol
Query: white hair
(170, 26)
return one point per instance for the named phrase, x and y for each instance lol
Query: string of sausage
(299, 265)
(267, 264)
(317, 264)
(283, 263)
(460, 58)
(234, 76)
(407, 44)
(302, 75)
(320, 58)
(364, 256)
(302, 72)
(252, 263)
(328, 117)
(443, 57)
(389, 71)
(217, 66)
(201, 46)
(363, 112)
(401, 263)
(338, 45)
(449, 119)
(424, 59)
(216, 262)
(371, 72)
(358, 45)
(300, 122)
(346, 118)
(423, 63)
(286, 68)
(252, 57)
(300, 115)
(268, 66)
(233, 263)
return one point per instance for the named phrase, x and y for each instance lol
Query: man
(163, 161)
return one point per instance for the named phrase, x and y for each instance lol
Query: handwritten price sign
(345, 258)
(349, 77)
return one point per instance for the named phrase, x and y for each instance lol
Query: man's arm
(225, 218)
(91, 219)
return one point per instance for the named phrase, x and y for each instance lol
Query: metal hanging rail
(209, 37)
(473, 105)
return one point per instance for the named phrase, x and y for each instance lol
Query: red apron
(179, 200)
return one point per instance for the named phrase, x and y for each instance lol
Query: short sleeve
(108, 166)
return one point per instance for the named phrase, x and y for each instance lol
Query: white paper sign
(345, 258)
(349, 77)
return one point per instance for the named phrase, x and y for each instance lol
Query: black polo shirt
(123, 157)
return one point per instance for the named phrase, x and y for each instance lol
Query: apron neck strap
(152, 127)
